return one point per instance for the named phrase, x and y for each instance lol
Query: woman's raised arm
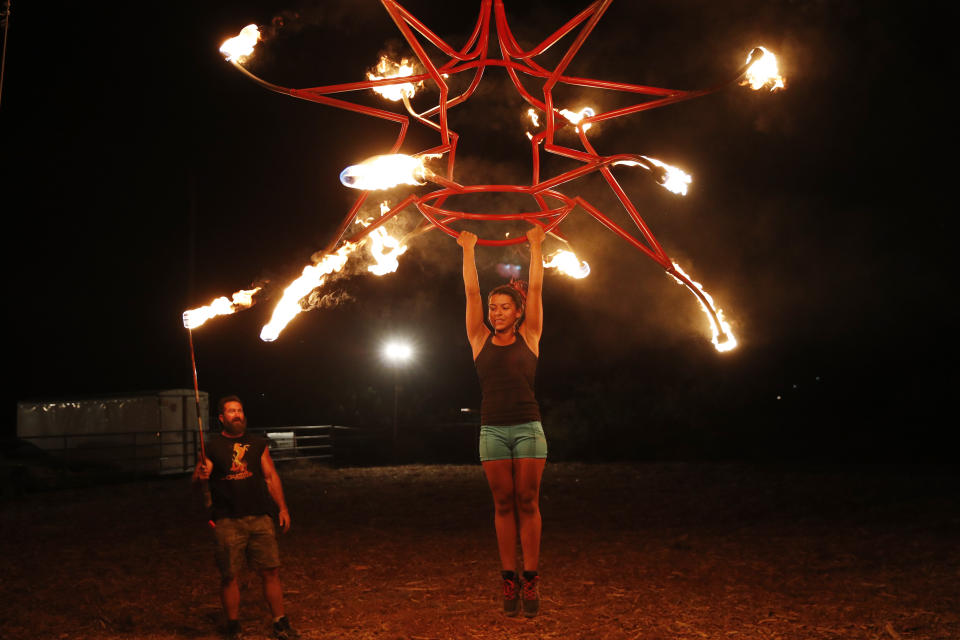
(476, 330)
(532, 326)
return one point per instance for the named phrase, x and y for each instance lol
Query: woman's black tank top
(506, 382)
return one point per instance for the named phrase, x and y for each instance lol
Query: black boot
(531, 593)
(511, 593)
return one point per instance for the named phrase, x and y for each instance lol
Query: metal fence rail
(299, 443)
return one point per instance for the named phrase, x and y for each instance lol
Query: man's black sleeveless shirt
(237, 486)
(506, 381)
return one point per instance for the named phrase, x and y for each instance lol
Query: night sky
(142, 176)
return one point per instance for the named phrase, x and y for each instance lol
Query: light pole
(396, 353)
(5, 23)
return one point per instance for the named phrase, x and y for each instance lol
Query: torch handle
(204, 485)
(196, 393)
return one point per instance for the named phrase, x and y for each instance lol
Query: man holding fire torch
(245, 491)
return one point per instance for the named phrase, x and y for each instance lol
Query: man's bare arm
(275, 488)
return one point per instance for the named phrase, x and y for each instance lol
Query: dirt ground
(642, 551)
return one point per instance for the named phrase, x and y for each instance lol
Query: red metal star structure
(474, 58)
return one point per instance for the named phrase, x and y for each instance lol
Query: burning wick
(241, 46)
(387, 171)
(723, 338)
(567, 263)
(193, 318)
(763, 72)
(670, 178)
(389, 69)
(575, 118)
(571, 116)
(674, 180)
(535, 119)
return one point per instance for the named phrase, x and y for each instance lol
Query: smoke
(343, 16)
(318, 299)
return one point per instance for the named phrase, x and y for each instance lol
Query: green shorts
(250, 537)
(524, 440)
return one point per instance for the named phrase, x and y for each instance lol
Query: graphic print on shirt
(239, 467)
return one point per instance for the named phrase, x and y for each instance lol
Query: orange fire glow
(241, 46)
(567, 263)
(576, 116)
(723, 331)
(193, 318)
(387, 171)
(312, 277)
(764, 73)
(674, 180)
(384, 248)
(387, 68)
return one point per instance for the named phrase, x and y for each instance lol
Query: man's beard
(236, 426)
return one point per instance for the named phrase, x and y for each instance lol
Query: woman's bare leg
(527, 473)
(500, 478)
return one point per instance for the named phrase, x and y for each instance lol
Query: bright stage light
(397, 352)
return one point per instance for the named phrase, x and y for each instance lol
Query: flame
(384, 248)
(723, 330)
(387, 68)
(241, 46)
(575, 118)
(674, 180)
(387, 171)
(567, 263)
(312, 277)
(535, 119)
(571, 116)
(763, 72)
(193, 318)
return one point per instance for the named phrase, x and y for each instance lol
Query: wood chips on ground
(630, 551)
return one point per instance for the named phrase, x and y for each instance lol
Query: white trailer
(153, 432)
